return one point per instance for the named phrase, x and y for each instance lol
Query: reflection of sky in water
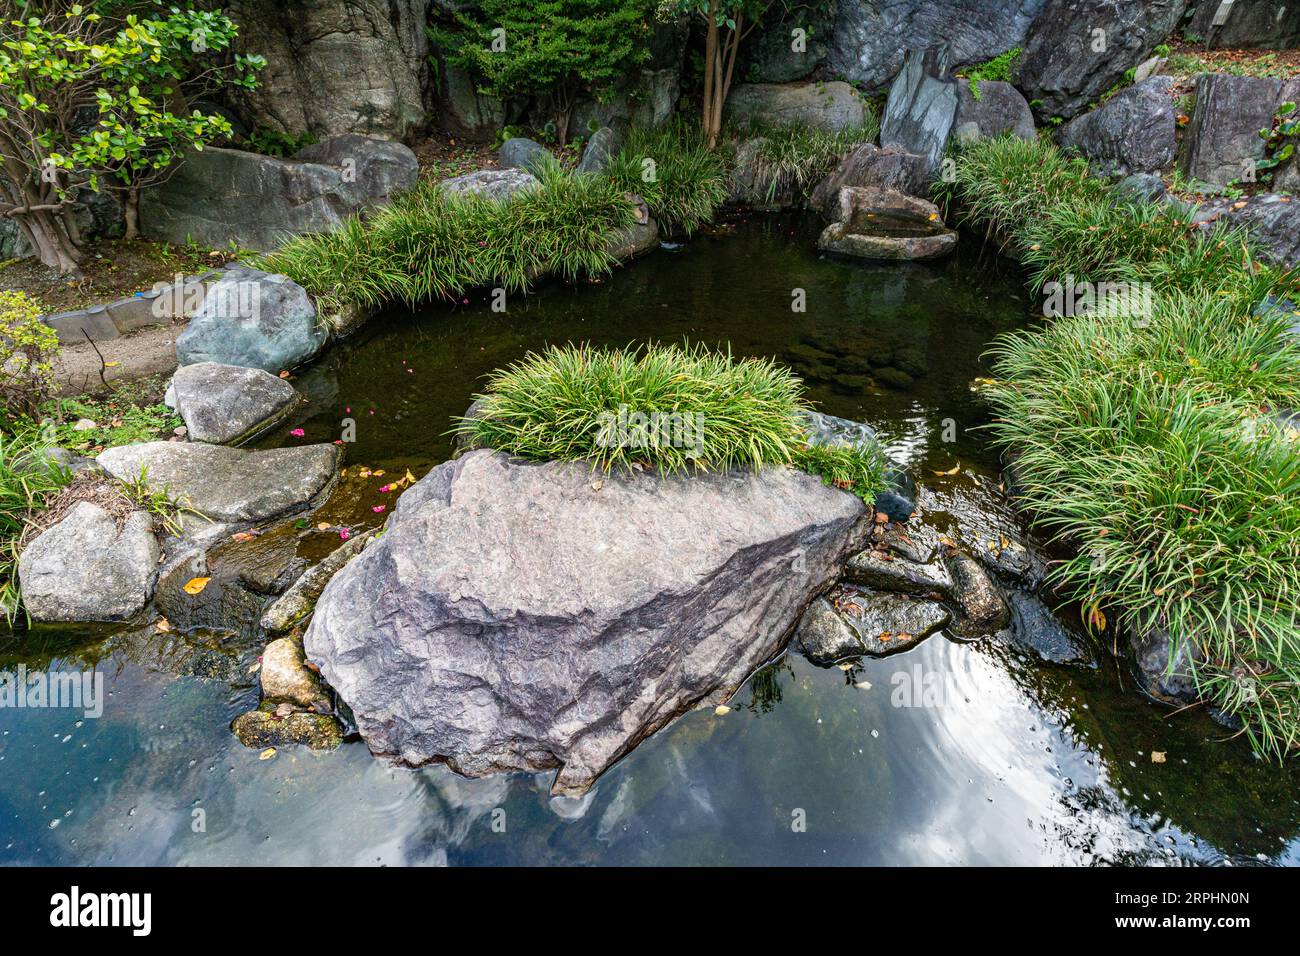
(1021, 765)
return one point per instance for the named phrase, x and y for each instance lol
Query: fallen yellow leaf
(266, 754)
(195, 585)
(722, 710)
(1157, 756)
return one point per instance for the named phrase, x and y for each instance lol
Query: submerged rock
(228, 484)
(1165, 675)
(252, 319)
(1036, 628)
(883, 224)
(87, 568)
(519, 616)
(264, 728)
(853, 622)
(224, 404)
(983, 610)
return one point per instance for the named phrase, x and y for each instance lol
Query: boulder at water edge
(523, 617)
(89, 568)
(226, 403)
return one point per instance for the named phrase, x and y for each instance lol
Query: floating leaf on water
(722, 710)
(266, 754)
(195, 585)
(1157, 756)
(951, 471)
(863, 685)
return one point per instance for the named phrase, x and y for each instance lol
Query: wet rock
(983, 610)
(1222, 142)
(1076, 50)
(285, 676)
(228, 484)
(255, 320)
(219, 196)
(869, 165)
(301, 597)
(86, 568)
(498, 184)
(883, 571)
(600, 149)
(871, 38)
(224, 605)
(828, 106)
(259, 729)
(855, 622)
(979, 519)
(1165, 675)
(228, 403)
(1035, 628)
(992, 109)
(921, 107)
(1134, 132)
(883, 224)
(520, 152)
(514, 617)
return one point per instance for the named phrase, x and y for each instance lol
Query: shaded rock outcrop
(828, 106)
(520, 616)
(989, 110)
(1133, 132)
(921, 107)
(870, 38)
(336, 66)
(1223, 142)
(219, 196)
(869, 165)
(1272, 24)
(1272, 220)
(89, 568)
(1076, 50)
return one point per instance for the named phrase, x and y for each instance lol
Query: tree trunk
(131, 212)
(47, 234)
(710, 71)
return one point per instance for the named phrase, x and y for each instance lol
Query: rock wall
(1272, 24)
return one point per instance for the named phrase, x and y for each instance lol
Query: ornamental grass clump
(666, 407)
(792, 159)
(672, 168)
(27, 480)
(1158, 443)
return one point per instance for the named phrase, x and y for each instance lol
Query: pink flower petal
(297, 433)
(378, 508)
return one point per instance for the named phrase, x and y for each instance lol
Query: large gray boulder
(465, 112)
(498, 184)
(871, 38)
(1076, 50)
(827, 106)
(523, 617)
(1136, 131)
(600, 149)
(870, 165)
(1223, 142)
(88, 568)
(1272, 24)
(886, 225)
(253, 319)
(223, 404)
(228, 484)
(219, 196)
(336, 66)
(991, 109)
(921, 107)
(520, 152)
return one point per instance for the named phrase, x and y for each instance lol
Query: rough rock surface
(520, 152)
(284, 674)
(264, 728)
(336, 66)
(982, 608)
(1222, 141)
(828, 106)
(226, 403)
(869, 165)
(1076, 50)
(1273, 222)
(529, 616)
(994, 109)
(498, 184)
(1133, 132)
(1271, 24)
(228, 484)
(600, 149)
(254, 320)
(855, 622)
(886, 225)
(882, 571)
(871, 38)
(921, 107)
(86, 568)
(465, 112)
(219, 196)
(1035, 627)
(772, 55)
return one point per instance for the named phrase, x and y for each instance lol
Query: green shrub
(999, 69)
(1151, 442)
(671, 408)
(430, 245)
(27, 350)
(672, 168)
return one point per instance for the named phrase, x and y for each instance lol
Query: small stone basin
(884, 224)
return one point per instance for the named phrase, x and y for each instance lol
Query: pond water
(956, 753)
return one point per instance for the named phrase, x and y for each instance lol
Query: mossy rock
(261, 728)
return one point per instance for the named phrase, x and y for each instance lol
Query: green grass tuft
(672, 168)
(26, 479)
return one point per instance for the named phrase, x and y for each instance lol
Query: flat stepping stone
(224, 404)
(883, 571)
(228, 484)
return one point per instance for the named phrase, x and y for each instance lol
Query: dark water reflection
(949, 753)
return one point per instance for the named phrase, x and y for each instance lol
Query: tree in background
(94, 94)
(554, 49)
